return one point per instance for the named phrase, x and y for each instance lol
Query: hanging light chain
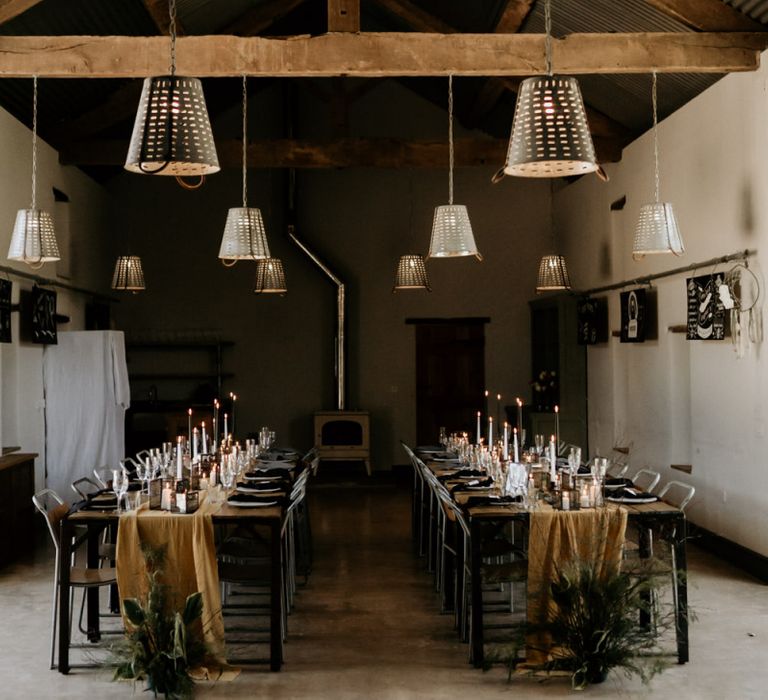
(172, 32)
(245, 131)
(656, 136)
(34, 142)
(548, 36)
(450, 139)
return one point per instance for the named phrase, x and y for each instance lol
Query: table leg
(644, 551)
(65, 554)
(681, 583)
(476, 632)
(276, 601)
(94, 633)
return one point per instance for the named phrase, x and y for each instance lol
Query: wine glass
(119, 485)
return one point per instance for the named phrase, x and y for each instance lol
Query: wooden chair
(54, 509)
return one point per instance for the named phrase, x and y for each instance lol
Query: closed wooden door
(450, 375)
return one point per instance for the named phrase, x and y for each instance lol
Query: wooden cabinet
(17, 486)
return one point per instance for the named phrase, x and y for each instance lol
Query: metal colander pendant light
(270, 277)
(451, 230)
(244, 235)
(553, 272)
(33, 240)
(550, 134)
(129, 274)
(656, 230)
(411, 273)
(172, 133)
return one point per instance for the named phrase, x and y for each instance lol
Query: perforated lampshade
(270, 277)
(657, 231)
(244, 235)
(172, 133)
(553, 274)
(129, 275)
(550, 134)
(33, 240)
(452, 233)
(411, 273)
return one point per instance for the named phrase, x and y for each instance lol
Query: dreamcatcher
(740, 294)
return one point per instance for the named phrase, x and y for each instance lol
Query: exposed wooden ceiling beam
(379, 55)
(338, 153)
(261, 17)
(416, 18)
(707, 15)
(343, 15)
(12, 8)
(511, 19)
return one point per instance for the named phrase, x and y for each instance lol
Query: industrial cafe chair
(646, 480)
(678, 494)
(54, 509)
(244, 562)
(84, 487)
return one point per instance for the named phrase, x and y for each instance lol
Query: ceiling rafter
(512, 16)
(343, 15)
(415, 17)
(13, 8)
(707, 15)
(158, 11)
(261, 17)
(377, 54)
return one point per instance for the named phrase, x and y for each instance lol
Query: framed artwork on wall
(706, 313)
(633, 316)
(43, 316)
(592, 321)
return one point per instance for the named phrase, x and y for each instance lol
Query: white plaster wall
(680, 401)
(22, 418)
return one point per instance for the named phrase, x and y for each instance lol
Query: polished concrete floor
(367, 626)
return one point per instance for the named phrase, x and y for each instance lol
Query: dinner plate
(245, 489)
(251, 504)
(622, 499)
(262, 478)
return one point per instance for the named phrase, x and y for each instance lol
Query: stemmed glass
(228, 473)
(119, 485)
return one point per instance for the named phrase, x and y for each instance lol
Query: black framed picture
(592, 321)
(633, 316)
(43, 316)
(706, 313)
(6, 287)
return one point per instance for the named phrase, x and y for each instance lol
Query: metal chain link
(548, 36)
(34, 142)
(656, 136)
(450, 139)
(172, 32)
(245, 131)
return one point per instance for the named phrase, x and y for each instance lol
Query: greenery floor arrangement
(595, 626)
(161, 645)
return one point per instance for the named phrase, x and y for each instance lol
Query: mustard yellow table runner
(556, 538)
(190, 564)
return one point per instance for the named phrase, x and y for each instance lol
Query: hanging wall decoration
(6, 286)
(633, 316)
(592, 321)
(706, 312)
(44, 316)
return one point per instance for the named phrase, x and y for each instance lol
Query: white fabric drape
(86, 394)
